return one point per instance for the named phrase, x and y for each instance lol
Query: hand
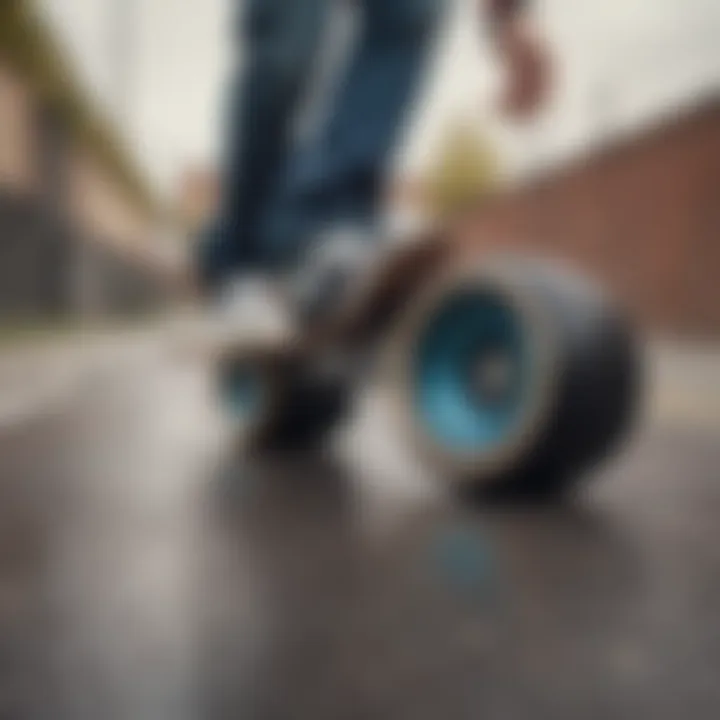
(528, 67)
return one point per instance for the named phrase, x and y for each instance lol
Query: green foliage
(28, 46)
(465, 171)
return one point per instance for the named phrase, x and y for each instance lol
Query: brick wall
(36, 260)
(100, 208)
(17, 149)
(71, 239)
(643, 216)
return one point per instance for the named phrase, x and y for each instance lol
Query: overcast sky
(622, 62)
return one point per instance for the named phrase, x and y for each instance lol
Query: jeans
(277, 196)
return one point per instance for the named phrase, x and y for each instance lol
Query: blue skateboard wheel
(471, 372)
(514, 374)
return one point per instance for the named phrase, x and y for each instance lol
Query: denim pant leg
(338, 178)
(279, 40)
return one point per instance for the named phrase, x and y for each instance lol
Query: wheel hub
(493, 376)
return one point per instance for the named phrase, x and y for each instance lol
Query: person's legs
(279, 39)
(338, 178)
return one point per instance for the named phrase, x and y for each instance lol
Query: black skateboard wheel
(279, 401)
(515, 375)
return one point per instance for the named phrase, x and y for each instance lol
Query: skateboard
(508, 373)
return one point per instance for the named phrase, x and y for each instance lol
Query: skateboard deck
(505, 372)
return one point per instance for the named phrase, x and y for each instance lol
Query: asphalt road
(147, 572)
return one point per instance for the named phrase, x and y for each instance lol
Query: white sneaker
(331, 273)
(249, 310)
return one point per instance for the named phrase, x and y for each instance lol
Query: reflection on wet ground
(145, 572)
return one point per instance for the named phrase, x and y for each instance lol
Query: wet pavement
(148, 572)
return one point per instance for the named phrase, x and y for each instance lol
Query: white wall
(622, 62)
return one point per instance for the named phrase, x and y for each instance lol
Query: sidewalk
(39, 371)
(33, 378)
(684, 384)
